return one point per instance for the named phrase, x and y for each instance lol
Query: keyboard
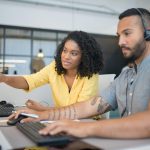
(31, 129)
(5, 111)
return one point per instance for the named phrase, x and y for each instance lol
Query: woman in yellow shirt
(72, 76)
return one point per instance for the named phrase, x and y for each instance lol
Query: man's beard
(131, 59)
(138, 50)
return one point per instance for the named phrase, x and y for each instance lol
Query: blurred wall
(47, 17)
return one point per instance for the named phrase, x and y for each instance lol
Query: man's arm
(14, 81)
(134, 126)
(79, 110)
(84, 109)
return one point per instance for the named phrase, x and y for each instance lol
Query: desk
(11, 138)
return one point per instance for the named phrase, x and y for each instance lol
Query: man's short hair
(142, 12)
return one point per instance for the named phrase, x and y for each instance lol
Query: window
(19, 46)
(46, 41)
(1, 50)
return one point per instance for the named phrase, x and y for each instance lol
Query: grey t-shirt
(130, 91)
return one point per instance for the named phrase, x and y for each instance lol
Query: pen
(52, 121)
(30, 115)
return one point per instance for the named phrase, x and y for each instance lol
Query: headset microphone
(135, 67)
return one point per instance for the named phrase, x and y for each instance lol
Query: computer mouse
(13, 121)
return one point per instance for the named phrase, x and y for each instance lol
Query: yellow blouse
(82, 88)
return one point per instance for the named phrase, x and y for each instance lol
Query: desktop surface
(12, 138)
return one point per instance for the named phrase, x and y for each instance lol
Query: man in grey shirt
(130, 92)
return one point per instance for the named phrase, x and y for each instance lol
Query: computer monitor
(113, 58)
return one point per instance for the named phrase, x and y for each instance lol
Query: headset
(146, 31)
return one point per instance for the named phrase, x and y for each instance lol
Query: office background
(27, 26)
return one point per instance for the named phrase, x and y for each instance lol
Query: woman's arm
(14, 81)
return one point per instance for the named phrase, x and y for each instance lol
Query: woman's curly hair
(91, 59)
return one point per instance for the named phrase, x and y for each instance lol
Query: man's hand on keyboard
(74, 128)
(42, 115)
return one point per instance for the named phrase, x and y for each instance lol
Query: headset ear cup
(146, 31)
(144, 34)
(147, 35)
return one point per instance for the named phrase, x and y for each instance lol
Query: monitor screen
(113, 58)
